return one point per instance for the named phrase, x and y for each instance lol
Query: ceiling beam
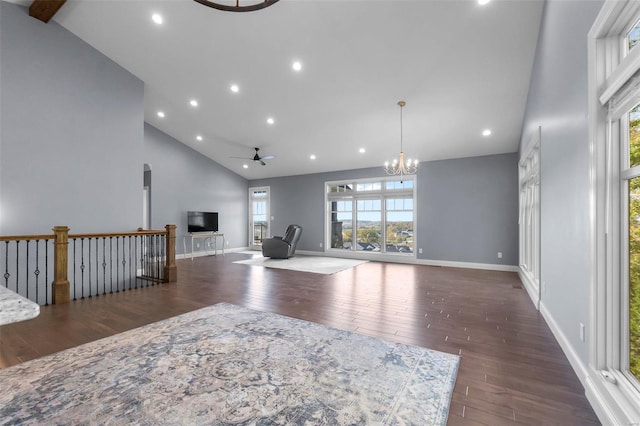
(45, 9)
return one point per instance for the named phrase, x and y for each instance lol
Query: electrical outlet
(582, 332)
(197, 245)
(320, 245)
(499, 255)
(420, 250)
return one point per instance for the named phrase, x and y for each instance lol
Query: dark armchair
(282, 247)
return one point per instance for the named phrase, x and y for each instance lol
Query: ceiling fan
(257, 158)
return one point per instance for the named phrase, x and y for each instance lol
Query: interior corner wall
(467, 208)
(71, 132)
(185, 180)
(558, 103)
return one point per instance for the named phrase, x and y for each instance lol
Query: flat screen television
(202, 222)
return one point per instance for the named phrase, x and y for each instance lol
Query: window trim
(529, 223)
(381, 194)
(251, 226)
(612, 394)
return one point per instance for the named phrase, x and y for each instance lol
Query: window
(341, 224)
(398, 184)
(371, 186)
(615, 137)
(258, 216)
(373, 216)
(399, 229)
(632, 343)
(633, 36)
(529, 218)
(369, 224)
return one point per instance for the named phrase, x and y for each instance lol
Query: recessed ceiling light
(157, 18)
(297, 66)
(312, 156)
(270, 120)
(483, 2)
(193, 103)
(234, 88)
(160, 114)
(486, 132)
(199, 138)
(362, 150)
(244, 166)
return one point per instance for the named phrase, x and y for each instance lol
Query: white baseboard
(532, 288)
(571, 354)
(592, 382)
(202, 253)
(468, 265)
(391, 258)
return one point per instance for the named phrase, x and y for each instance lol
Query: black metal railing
(100, 265)
(27, 265)
(86, 265)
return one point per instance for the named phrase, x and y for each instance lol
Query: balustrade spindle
(17, 265)
(46, 272)
(6, 262)
(82, 267)
(26, 268)
(75, 292)
(37, 271)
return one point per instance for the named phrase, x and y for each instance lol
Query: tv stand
(210, 235)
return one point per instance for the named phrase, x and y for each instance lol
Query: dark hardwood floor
(512, 370)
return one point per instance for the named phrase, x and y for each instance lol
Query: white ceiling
(460, 67)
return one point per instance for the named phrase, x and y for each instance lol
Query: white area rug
(315, 264)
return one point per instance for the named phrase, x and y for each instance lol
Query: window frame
(612, 65)
(251, 224)
(382, 194)
(529, 218)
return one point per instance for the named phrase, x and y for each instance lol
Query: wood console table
(197, 235)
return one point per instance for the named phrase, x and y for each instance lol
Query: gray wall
(558, 102)
(184, 180)
(467, 208)
(70, 132)
(73, 144)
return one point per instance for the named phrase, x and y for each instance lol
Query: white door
(258, 216)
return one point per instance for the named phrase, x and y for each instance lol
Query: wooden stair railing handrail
(95, 235)
(120, 234)
(27, 237)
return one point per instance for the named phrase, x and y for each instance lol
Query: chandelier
(399, 166)
(247, 5)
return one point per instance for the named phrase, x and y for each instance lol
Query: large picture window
(632, 185)
(615, 135)
(376, 216)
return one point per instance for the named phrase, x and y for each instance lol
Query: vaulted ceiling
(461, 67)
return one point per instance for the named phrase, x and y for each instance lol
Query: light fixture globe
(400, 166)
(238, 5)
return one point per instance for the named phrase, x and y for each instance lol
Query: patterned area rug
(315, 264)
(228, 365)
